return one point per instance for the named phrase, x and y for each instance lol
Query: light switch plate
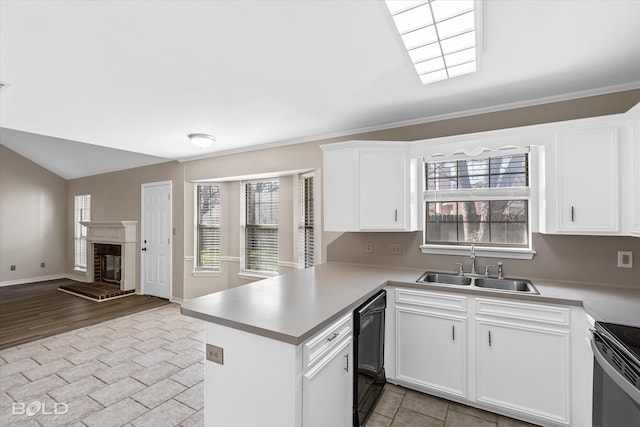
(625, 259)
(215, 354)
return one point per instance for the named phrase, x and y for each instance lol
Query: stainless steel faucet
(500, 271)
(473, 259)
(486, 270)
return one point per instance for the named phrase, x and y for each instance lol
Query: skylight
(440, 36)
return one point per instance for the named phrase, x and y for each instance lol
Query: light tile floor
(399, 407)
(146, 369)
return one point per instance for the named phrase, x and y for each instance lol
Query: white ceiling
(141, 75)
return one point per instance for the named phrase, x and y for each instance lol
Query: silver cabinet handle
(396, 215)
(332, 337)
(453, 332)
(572, 214)
(489, 338)
(346, 367)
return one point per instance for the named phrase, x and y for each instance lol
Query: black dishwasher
(368, 348)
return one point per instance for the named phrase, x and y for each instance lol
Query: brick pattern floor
(145, 369)
(399, 407)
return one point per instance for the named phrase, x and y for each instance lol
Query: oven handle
(631, 391)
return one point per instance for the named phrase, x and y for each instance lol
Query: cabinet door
(382, 189)
(340, 189)
(327, 389)
(431, 350)
(634, 135)
(588, 181)
(524, 369)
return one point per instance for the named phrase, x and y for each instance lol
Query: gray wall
(116, 196)
(33, 220)
(582, 259)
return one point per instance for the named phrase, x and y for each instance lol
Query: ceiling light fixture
(201, 140)
(440, 36)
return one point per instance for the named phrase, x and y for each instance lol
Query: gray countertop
(294, 306)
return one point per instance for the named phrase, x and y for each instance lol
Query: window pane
(499, 223)
(209, 245)
(509, 171)
(306, 222)
(262, 202)
(261, 227)
(82, 212)
(208, 227)
(473, 173)
(442, 175)
(492, 172)
(261, 249)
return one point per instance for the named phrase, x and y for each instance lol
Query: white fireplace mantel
(114, 232)
(111, 231)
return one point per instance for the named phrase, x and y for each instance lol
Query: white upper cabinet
(586, 163)
(369, 186)
(633, 129)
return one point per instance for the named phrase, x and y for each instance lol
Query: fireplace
(107, 263)
(112, 247)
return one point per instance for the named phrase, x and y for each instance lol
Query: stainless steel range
(616, 375)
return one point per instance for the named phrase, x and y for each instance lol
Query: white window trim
(486, 252)
(531, 193)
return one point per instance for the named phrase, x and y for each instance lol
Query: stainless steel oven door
(616, 402)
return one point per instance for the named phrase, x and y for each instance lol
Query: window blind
(82, 212)
(306, 222)
(261, 226)
(208, 226)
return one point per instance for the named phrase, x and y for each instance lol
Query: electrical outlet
(42, 264)
(13, 268)
(396, 249)
(368, 248)
(625, 259)
(215, 354)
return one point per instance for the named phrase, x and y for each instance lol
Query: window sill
(509, 253)
(206, 273)
(253, 275)
(80, 270)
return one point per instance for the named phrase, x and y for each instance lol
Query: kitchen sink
(514, 285)
(508, 285)
(445, 278)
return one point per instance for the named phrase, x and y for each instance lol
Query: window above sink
(482, 199)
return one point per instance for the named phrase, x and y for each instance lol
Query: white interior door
(156, 239)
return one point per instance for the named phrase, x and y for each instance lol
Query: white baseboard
(176, 300)
(36, 279)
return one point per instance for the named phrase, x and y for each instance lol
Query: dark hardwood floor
(36, 310)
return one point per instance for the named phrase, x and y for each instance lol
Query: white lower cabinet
(506, 356)
(327, 398)
(271, 383)
(523, 369)
(327, 379)
(431, 323)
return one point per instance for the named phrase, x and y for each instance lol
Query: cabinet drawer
(550, 314)
(323, 342)
(431, 299)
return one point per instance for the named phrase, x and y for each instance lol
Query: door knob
(144, 249)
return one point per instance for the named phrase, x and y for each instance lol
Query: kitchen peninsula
(269, 335)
